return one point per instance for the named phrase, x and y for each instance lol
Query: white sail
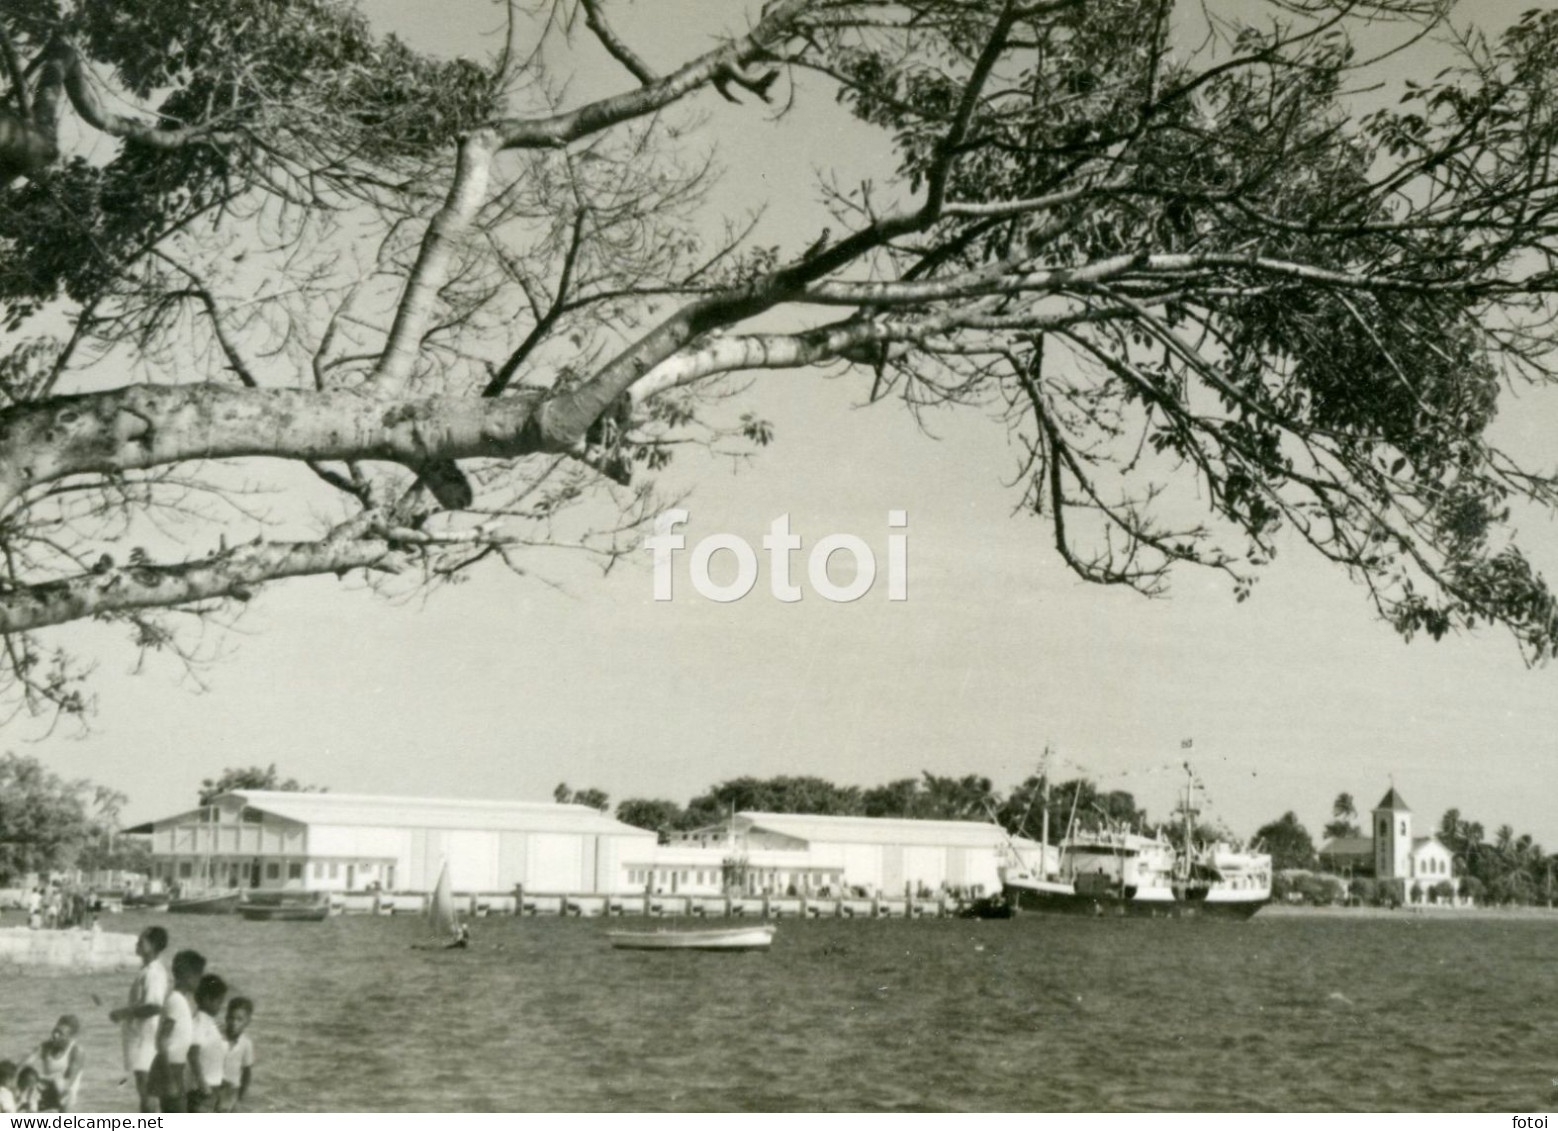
(440, 905)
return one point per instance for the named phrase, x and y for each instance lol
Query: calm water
(1281, 1013)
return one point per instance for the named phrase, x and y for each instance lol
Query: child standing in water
(137, 1019)
(207, 1048)
(169, 1080)
(238, 1068)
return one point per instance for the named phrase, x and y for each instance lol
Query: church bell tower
(1392, 837)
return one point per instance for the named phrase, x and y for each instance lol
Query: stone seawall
(65, 952)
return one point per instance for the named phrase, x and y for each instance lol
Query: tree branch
(467, 192)
(229, 574)
(557, 130)
(145, 426)
(596, 21)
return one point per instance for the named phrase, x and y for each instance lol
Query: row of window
(713, 876)
(212, 815)
(657, 876)
(271, 870)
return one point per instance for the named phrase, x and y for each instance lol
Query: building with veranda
(806, 854)
(342, 842)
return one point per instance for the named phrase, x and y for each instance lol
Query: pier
(659, 905)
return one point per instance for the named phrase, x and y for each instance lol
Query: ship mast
(1187, 813)
(1044, 838)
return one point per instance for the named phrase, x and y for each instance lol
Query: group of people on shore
(58, 907)
(186, 1045)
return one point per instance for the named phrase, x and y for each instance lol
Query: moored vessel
(205, 903)
(1118, 872)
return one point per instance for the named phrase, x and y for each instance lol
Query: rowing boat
(729, 938)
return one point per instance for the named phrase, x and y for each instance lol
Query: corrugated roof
(1392, 800)
(434, 813)
(884, 830)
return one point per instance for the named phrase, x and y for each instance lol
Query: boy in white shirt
(169, 1081)
(137, 1019)
(238, 1069)
(208, 1047)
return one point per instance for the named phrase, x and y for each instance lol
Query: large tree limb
(145, 426)
(415, 310)
(567, 415)
(557, 130)
(92, 110)
(228, 574)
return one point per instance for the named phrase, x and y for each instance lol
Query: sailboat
(443, 920)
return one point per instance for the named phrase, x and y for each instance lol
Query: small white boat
(756, 937)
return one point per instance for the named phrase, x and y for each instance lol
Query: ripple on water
(1276, 1014)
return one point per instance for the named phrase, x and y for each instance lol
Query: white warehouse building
(341, 842)
(354, 842)
(803, 854)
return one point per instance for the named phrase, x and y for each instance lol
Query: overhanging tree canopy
(47, 822)
(1171, 247)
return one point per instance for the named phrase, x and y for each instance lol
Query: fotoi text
(780, 543)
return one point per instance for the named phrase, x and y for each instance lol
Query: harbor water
(1281, 1013)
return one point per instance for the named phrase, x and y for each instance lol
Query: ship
(1116, 871)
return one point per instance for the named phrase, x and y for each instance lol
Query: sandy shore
(1299, 910)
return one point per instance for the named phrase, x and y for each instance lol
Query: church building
(1391, 851)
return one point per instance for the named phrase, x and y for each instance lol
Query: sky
(504, 687)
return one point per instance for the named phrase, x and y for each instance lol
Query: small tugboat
(1116, 872)
(757, 937)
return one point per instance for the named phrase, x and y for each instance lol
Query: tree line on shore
(929, 797)
(1506, 868)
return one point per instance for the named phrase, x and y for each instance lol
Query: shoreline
(1426, 911)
